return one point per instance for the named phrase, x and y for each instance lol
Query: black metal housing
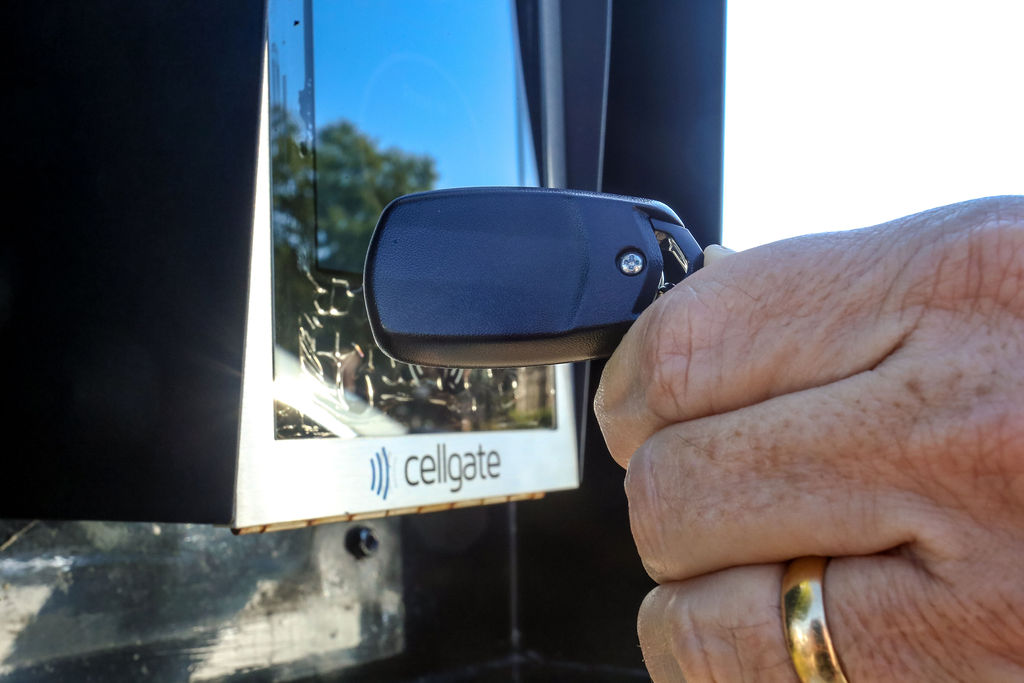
(131, 145)
(131, 133)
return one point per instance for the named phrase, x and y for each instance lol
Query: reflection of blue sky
(435, 78)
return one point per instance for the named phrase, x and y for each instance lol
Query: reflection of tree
(320, 317)
(356, 181)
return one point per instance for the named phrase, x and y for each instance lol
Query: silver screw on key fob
(510, 276)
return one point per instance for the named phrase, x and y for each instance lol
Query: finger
(792, 476)
(891, 618)
(719, 627)
(877, 460)
(780, 318)
(888, 621)
(716, 252)
(757, 324)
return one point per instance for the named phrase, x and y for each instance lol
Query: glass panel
(408, 97)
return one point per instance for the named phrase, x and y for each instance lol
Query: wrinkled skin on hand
(856, 395)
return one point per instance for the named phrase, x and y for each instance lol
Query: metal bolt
(361, 541)
(631, 262)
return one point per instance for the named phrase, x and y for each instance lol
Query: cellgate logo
(380, 473)
(440, 468)
(451, 469)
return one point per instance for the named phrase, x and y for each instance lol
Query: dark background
(130, 147)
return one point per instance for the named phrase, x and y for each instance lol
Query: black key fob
(511, 276)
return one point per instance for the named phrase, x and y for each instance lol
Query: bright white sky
(845, 114)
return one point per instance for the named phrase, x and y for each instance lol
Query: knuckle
(673, 509)
(669, 347)
(707, 644)
(600, 407)
(646, 517)
(973, 254)
(721, 652)
(651, 619)
(614, 405)
(995, 250)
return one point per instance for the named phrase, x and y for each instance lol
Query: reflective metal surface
(406, 100)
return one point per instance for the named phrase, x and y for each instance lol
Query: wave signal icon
(380, 473)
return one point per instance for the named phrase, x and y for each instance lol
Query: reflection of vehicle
(133, 130)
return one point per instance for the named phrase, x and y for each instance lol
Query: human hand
(855, 395)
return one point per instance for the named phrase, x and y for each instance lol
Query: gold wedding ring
(803, 619)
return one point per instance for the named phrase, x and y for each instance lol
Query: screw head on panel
(361, 542)
(631, 262)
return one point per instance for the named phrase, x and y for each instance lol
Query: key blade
(509, 277)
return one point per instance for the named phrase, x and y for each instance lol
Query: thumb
(716, 252)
